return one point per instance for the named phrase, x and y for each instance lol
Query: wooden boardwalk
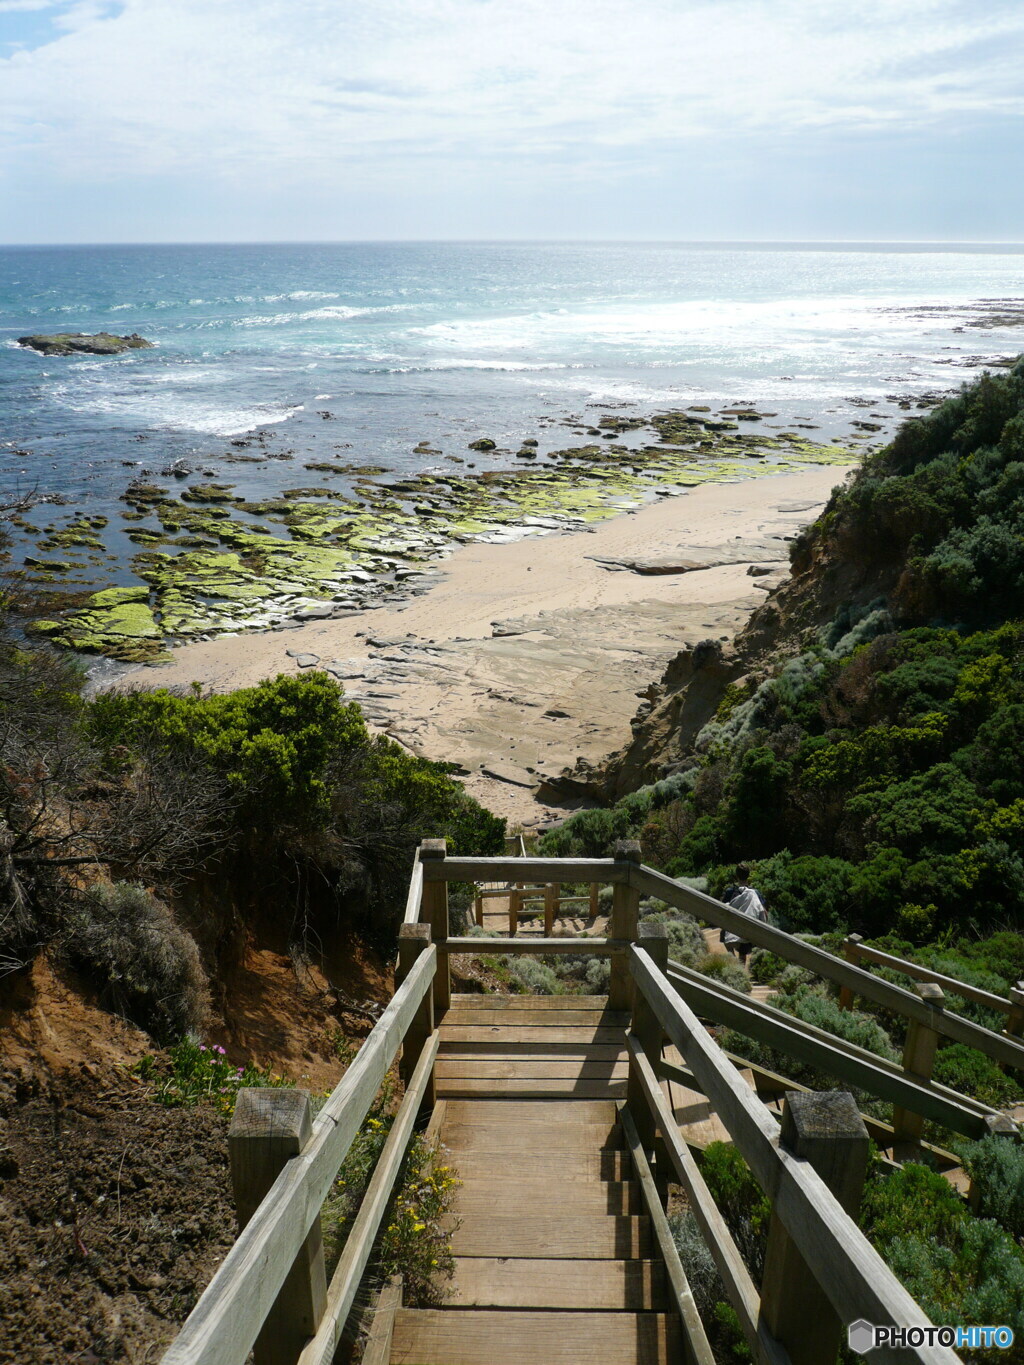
(555, 1259)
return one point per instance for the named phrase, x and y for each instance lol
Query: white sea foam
(169, 411)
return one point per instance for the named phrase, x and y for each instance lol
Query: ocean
(358, 353)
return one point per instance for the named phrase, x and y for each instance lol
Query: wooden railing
(820, 1271)
(855, 950)
(270, 1291)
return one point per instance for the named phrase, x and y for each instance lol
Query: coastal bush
(996, 1167)
(972, 1073)
(743, 1204)
(808, 1004)
(145, 966)
(725, 970)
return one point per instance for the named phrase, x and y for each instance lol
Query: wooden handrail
(857, 950)
(835, 1056)
(415, 896)
(225, 1322)
(598, 947)
(1001, 1048)
(857, 1281)
(345, 1281)
(527, 870)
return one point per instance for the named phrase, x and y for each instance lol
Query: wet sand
(520, 658)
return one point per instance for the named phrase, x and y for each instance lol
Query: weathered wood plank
(415, 896)
(535, 1018)
(569, 1164)
(377, 1350)
(527, 870)
(522, 1086)
(864, 953)
(536, 1233)
(498, 1197)
(496, 1050)
(591, 947)
(450, 1068)
(498, 1282)
(496, 1337)
(518, 1112)
(531, 1033)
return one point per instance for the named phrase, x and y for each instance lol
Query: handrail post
(478, 906)
(851, 951)
(414, 939)
(918, 1061)
(550, 908)
(435, 913)
(515, 905)
(1015, 1017)
(625, 913)
(269, 1127)
(595, 904)
(646, 1028)
(825, 1129)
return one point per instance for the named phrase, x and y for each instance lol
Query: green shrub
(972, 1073)
(910, 1201)
(980, 1280)
(824, 1013)
(727, 971)
(744, 1205)
(996, 1165)
(144, 964)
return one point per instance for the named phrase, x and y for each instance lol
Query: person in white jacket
(741, 896)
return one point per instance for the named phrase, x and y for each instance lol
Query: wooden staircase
(554, 1255)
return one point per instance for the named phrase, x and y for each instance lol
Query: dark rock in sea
(484, 443)
(84, 343)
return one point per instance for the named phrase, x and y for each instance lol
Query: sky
(287, 120)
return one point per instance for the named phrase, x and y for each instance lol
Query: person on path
(741, 896)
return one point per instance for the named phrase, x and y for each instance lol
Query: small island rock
(84, 343)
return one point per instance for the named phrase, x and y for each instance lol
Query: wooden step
(497, 1282)
(494, 1137)
(598, 1113)
(500, 1197)
(457, 1087)
(541, 1018)
(564, 1163)
(430, 1336)
(540, 1232)
(497, 1049)
(528, 1068)
(579, 1036)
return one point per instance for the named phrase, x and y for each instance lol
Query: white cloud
(313, 91)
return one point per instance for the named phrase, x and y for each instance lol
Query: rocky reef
(211, 561)
(84, 343)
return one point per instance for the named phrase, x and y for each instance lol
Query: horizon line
(783, 242)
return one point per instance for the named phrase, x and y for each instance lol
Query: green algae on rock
(220, 563)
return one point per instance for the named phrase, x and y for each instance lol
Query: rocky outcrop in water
(84, 343)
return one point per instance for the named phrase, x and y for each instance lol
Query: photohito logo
(865, 1336)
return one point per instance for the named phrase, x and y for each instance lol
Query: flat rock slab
(503, 773)
(305, 660)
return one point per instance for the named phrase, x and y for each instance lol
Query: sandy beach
(520, 658)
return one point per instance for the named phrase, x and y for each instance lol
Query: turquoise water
(442, 343)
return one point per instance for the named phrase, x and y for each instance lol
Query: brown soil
(114, 1213)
